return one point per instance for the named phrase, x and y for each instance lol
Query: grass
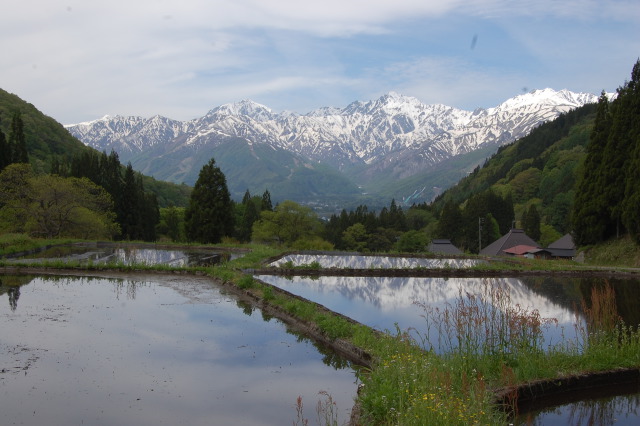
(480, 350)
(16, 243)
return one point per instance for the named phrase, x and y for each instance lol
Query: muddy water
(153, 350)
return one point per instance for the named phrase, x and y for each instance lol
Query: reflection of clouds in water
(178, 352)
(373, 262)
(391, 294)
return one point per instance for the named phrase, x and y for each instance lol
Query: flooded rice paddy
(357, 261)
(153, 350)
(127, 255)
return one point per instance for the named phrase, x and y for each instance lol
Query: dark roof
(567, 253)
(515, 237)
(444, 247)
(566, 242)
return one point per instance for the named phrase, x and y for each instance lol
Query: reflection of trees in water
(627, 295)
(571, 292)
(10, 284)
(604, 411)
(14, 295)
(130, 287)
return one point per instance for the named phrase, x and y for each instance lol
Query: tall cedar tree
(5, 152)
(607, 200)
(588, 221)
(631, 204)
(531, 223)
(209, 216)
(17, 140)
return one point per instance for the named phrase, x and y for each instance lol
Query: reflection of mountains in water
(373, 262)
(390, 293)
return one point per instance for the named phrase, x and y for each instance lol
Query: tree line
(607, 200)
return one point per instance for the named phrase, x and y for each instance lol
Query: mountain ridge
(375, 142)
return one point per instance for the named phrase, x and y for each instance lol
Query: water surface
(357, 261)
(153, 350)
(113, 253)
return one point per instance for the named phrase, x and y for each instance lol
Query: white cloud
(79, 60)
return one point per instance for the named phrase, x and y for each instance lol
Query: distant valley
(368, 152)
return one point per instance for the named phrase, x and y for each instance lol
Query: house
(564, 248)
(442, 246)
(515, 237)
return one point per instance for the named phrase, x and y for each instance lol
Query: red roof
(520, 250)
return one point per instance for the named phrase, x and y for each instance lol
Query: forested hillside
(608, 194)
(539, 171)
(579, 173)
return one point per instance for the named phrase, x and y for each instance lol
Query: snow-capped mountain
(394, 136)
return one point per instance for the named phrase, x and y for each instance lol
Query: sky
(78, 60)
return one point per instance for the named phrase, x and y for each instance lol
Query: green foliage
(608, 195)
(172, 223)
(531, 223)
(246, 282)
(412, 242)
(50, 206)
(542, 165)
(209, 215)
(287, 223)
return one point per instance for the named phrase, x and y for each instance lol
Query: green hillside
(48, 141)
(540, 169)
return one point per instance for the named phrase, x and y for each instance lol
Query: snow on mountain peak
(245, 107)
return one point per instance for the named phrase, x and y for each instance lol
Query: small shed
(442, 246)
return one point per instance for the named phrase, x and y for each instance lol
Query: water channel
(151, 350)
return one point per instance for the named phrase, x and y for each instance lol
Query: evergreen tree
(266, 201)
(531, 223)
(5, 152)
(588, 218)
(451, 225)
(631, 204)
(17, 140)
(209, 215)
(247, 197)
(130, 207)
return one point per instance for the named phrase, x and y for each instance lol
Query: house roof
(566, 242)
(521, 249)
(514, 237)
(444, 247)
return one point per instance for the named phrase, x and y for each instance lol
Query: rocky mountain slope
(376, 144)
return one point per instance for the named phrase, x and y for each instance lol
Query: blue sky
(78, 60)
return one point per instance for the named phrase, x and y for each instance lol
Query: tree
(286, 224)
(355, 237)
(531, 223)
(209, 216)
(17, 140)
(588, 218)
(266, 201)
(5, 152)
(451, 225)
(412, 242)
(51, 206)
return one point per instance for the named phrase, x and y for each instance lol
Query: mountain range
(368, 152)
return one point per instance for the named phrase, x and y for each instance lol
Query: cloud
(80, 60)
